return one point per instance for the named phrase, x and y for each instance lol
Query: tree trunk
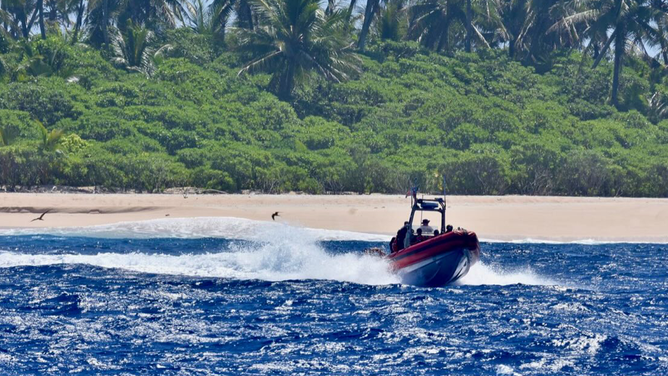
(369, 12)
(511, 48)
(42, 27)
(26, 27)
(245, 15)
(287, 83)
(330, 7)
(53, 12)
(619, 54)
(79, 21)
(105, 22)
(469, 26)
(351, 8)
(444, 41)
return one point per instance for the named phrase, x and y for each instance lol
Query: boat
(438, 260)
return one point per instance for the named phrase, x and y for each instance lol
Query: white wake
(200, 227)
(284, 253)
(481, 274)
(277, 252)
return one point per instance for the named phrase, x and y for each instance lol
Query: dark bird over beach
(41, 217)
(273, 216)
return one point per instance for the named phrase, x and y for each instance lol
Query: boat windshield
(433, 210)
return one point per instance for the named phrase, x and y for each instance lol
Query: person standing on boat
(401, 236)
(426, 229)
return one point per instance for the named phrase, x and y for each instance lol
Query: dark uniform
(401, 237)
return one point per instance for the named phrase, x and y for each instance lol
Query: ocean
(237, 297)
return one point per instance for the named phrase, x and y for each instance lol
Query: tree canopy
(554, 97)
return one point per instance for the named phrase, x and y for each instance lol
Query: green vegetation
(279, 99)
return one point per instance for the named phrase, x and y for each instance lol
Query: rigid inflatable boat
(436, 260)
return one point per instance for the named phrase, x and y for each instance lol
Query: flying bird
(41, 217)
(273, 216)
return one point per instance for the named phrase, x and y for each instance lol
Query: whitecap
(482, 274)
(193, 228)
(284, 253)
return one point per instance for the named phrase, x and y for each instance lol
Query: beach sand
(491, 217)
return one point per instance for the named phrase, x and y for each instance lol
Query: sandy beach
(492, 217)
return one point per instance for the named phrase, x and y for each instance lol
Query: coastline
(502, 218)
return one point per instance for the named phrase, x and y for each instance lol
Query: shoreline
(501, 218)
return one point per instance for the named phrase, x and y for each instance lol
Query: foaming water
(584, 241)
(285, 253)
(264, 264)
(273, 251)
(189, 228)
(247, 229)
(481, 274)
(281, 302)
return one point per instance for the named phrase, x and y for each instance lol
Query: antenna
(445, 204)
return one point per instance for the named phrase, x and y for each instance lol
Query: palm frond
(295, 38)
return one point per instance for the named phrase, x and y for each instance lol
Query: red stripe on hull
(451, 241)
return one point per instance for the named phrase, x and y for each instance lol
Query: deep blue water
(215, 306)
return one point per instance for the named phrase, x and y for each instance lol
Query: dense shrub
(492, 125)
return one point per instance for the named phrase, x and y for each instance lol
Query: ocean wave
(199, 227)
(284, 253)
(248, 229)
(263, 264)
(481, 274)
(576, 241)
(273, 251)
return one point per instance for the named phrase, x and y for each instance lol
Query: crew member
(401, 236)
(426, 229)
(419, 238)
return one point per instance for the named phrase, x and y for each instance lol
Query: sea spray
(190, 228)
(283, 253)
(261, 250)
(70, 316)
(482, 274)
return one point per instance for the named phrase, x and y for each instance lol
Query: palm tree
(79, 7)
(153, 13)
(22, 14)
(628, 24)
(100, 19)
(513, 14)
(294, 38)
(391, 23)
(535, 28)
(243, 10)
(210, 20)
(6, 22)
(50, 140)
(370, 11)
(132, 49)
(433, 22)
